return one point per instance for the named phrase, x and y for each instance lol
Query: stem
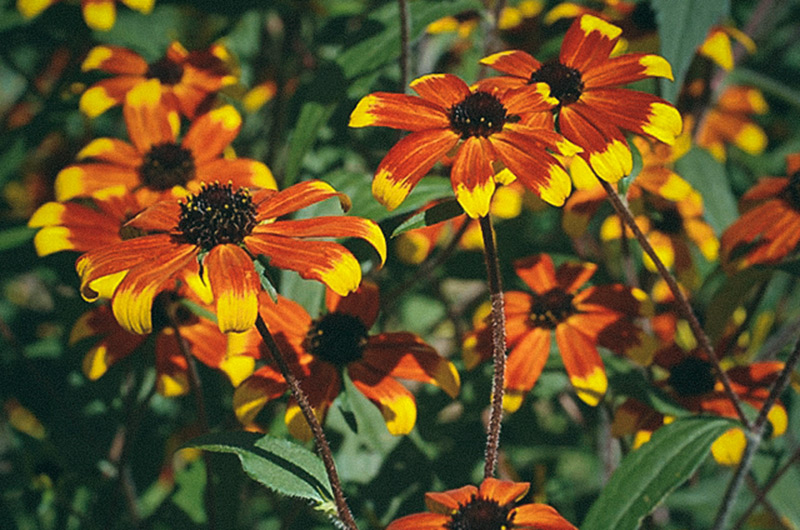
(498, 345)
(197, 391)
(405, 28)
(754, 438)
(761, 495)
(323, 448)
(683, 304)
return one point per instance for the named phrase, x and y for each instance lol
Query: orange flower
(155, 165)
(202, 336)
(730, 122)
(492, 505)
(484, 128)
(189, 80)
(319, 350)
(769, 228)
(218, 232)
(98, 14)
(592, 110)
(582, 320)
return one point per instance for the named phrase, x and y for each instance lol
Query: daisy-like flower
(592, 109)
(730, 121)
(155, 164)
(217, 232)
(202, 336)
(319, 350)
(98, 14)
(692, 384)
(492, 505)
(189, 80)
(582, 319)
(484, 128)
(769, 228)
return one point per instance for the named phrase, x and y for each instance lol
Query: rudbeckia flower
(769, 228)
(98, 14)
(692, 384)
(483, 128)
(203, 338)
(491, 505)
(217, 233)
(730, 121)
(582, 319)
(592, 109)
(189, 80)
(155, 164)
(319, 350)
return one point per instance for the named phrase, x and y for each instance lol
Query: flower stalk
(321, 442)
(498, 345)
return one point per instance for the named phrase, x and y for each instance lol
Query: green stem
(324, 450)
(498, 346)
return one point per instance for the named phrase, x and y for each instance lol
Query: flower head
(592, 109)
(769, 228)
(98, 14)
(491, 506)
(582, 319)
(730, 121)
(155, 164)
(485, 128)
(217, 232)
(189, 80)
(319, 350)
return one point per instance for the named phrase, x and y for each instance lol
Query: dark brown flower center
(166, 71)
(668, 220)
(565, 83)
(479, 114)
(217, 216)
(481, 514)
(691, 377)
(551, 308)
(337, 338)
(167, 165)
(792, 192)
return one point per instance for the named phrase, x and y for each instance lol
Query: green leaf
(191, 483)
(16, 237)
(436, 214)
(682, 27)
(280, 465)
(384, 46)
(709, 177)
(647, 475)
(313, 116)
(370, 425)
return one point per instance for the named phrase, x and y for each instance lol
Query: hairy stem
(683, 304)
(754, 439)
(321, 441)
(498, 345)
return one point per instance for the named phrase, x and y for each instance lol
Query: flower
(217, 233)
(203, 339)
(491, 505)
(464, 23)
(692, 384)
(98, 14)
(592, 110)
(155, 165)
(189, 80)
(730, 121)
(319, 350)
(582, 320)
(483, 127)
(769, 228)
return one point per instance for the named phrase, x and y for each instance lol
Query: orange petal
(146, 116)
(538, 272)
(447, 501)
(445, 90)
(513, 62)
(588, 39)
(407, 162)
(398, 111)
(107, 93)
(540, 516)
(235, 285)
(397, 404)
(241, 172)
(604, 146)
(472, 176)
(527, 359)
(212, 132)
(420, 521)
(87, 179)
(636, 111)
(112, 151)
(99, 14)
(255, 391)
(114, 60)
(583, 364)
(271, 204)
(625, 69)
(363, 303)
(503, 492)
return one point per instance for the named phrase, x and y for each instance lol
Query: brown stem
(498, 345)
(405, 28)
(755, 436)
(196, 387)
(683, 304)
(321, 441)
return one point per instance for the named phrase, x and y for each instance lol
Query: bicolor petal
(235, 285)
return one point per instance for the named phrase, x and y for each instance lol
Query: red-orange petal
(80, 180)
(472, 176)
(397, 404)
(540, 517)
(513, 62)
(211, 133)
(588, 39)
(619, 71)
(444, 90)
(363, 303)
(527, 359)
(271, 204)
(241, 172)
(446, 501)
(503, 491)
(398, 111)
(235, 285)
(420, 521)
(114, 60)
(107, 93)
(538, 272)
(407, 162)
(604, 147)
(582, 363)
(146, 116)
(162, 216)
